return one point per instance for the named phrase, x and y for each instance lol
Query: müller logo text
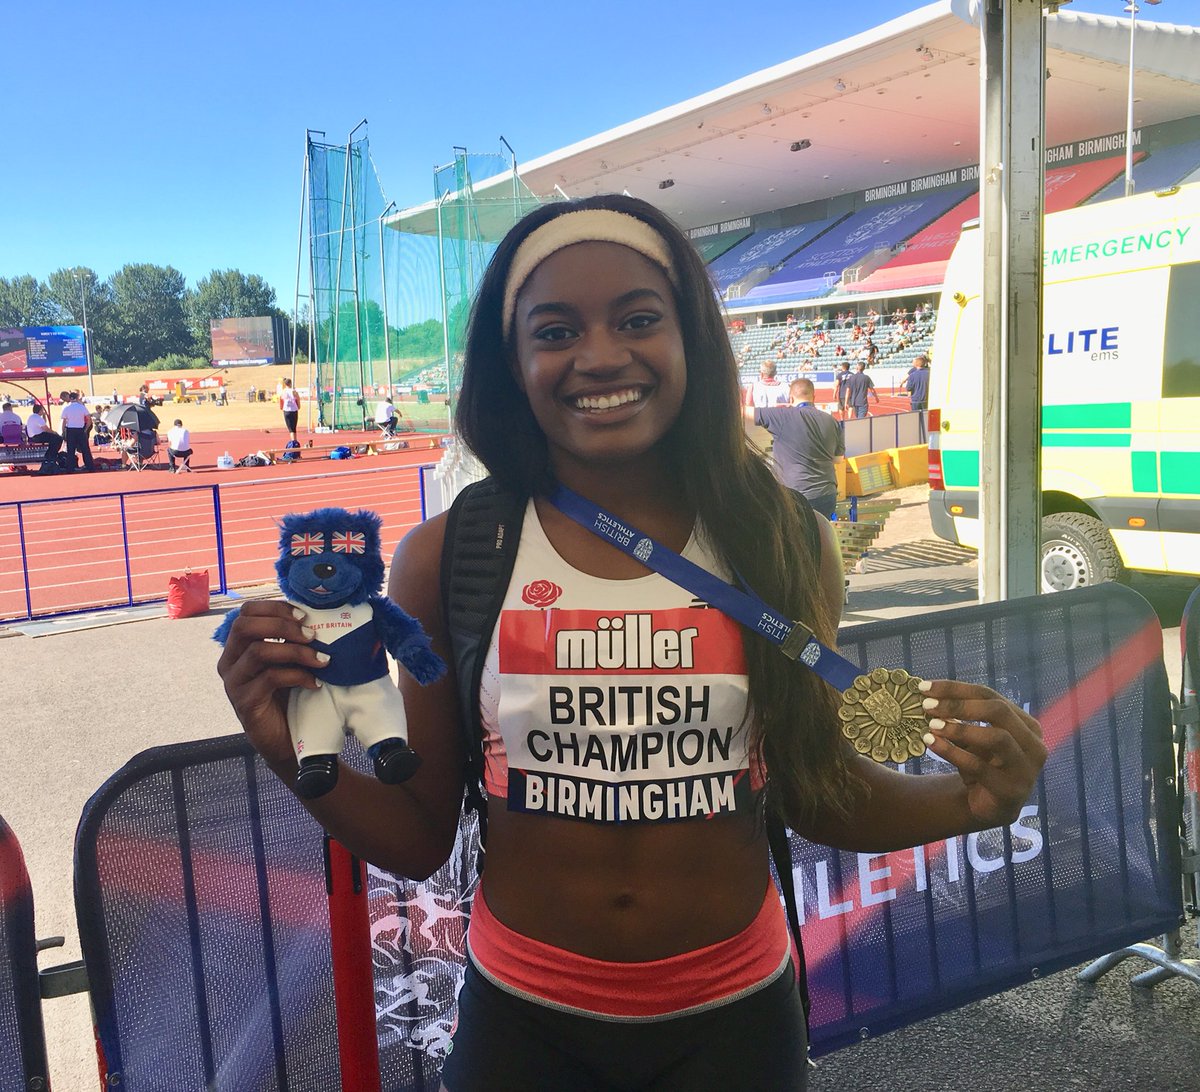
(626, 641)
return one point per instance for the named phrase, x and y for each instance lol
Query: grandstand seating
(712, 247)
(756, 343)
(924, 257)
(1156, 171)
(870, 229)
(762, 252)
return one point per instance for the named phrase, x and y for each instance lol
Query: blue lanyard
(795, 639)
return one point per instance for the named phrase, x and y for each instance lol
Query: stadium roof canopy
(895, 102)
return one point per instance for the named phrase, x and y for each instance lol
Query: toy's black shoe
(317, 776)
(395, 761)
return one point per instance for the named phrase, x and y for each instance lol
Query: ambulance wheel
(1077, 551)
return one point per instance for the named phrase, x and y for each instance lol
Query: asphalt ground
(83, 695)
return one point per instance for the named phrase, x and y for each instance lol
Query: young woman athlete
(628, 936)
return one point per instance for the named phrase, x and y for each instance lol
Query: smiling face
(599, 355)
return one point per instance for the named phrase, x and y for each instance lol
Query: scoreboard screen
(30, 352)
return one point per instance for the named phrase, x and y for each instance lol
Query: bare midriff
(629, 893)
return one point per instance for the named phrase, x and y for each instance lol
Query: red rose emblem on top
(541, 593)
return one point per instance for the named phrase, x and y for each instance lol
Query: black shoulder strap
(777, 835)
(483, 530)
(781, 854)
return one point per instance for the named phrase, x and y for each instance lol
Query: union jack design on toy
(307, 543)
(349, 542)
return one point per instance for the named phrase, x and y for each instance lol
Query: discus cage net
(389, 292)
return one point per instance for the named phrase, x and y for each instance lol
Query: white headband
(584, 226)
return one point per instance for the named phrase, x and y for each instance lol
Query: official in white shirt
(76, 424)
(179, 446)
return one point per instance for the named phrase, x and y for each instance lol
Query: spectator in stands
(38, 431)
(808, 445)
(857, 388)
(179, 446)
(76, 424)
(766, 390)
(289, 403)
(656, 943)
(916, 383)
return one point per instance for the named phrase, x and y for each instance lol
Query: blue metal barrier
(100, 550)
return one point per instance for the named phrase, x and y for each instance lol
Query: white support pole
(1012, 190)
(387, 340)
(1133, 10)
(445, 308)
(299, 256)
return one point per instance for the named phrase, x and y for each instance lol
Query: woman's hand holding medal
(995, 746)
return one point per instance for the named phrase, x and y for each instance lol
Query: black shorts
(290, 417)
(504, 1043)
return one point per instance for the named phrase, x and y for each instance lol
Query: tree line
(140, 315)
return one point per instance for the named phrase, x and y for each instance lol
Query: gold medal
(883, 716)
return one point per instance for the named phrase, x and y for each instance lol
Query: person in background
(9, 418)
(385, 417)
(289, 403)
(916, 383)
(179, 446)
(648, 950)
(76, 424)
(38, 431)
(839, 389)
(808, 446)
(766, 390)
(858, 386)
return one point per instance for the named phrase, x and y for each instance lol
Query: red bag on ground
(187, 595)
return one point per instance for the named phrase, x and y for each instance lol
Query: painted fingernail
(322, 657)
(318, 682)
(924, 686)
(936, 723)
(928, 739)
(298, 614)
(929, 703)
(308, 632)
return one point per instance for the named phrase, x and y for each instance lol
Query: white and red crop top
(613, 700)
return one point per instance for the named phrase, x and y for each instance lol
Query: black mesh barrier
(1091, 864)
(204, 923)
(22, 1041)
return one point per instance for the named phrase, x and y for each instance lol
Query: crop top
(613, 700)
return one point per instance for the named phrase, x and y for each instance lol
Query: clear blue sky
(174, 134)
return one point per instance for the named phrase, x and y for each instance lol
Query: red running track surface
(75, 551)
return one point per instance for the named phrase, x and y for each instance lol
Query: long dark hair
(724, 479)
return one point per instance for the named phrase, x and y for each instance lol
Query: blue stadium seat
(1157, 171)
(882, 225)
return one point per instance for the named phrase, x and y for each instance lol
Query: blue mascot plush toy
(331, 566)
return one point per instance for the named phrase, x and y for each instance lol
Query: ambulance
(1120, 391)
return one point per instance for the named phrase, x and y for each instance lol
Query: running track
(76, 551)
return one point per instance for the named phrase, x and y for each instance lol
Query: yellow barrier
(910, 465)
(871, 473)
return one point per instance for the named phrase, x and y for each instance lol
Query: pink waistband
(657, 989)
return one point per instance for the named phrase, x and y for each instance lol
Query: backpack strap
(483, 530)
(777, 835)
(781, 855)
